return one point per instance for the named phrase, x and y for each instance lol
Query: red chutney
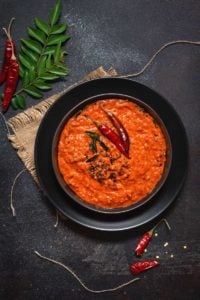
(111, 180)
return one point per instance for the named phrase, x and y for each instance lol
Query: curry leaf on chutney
(96, 138)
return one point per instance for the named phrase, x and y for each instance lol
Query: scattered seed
(157, 256)
(156, 234)
(166, 244)
(185, 247)
(172, 255)
(145, 250)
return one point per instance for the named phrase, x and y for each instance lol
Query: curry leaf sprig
(41, 57)
(93, 145)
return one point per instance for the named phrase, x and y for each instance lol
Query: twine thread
(79, 279)
(12, 189)
(57, 219)
(156, 54)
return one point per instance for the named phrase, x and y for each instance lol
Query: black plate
(81, 215)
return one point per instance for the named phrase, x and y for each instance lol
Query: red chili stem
(145, 239)
(8, 53)
(8, 31)
(141, 266)
(161, 221)
(120, 129)
(112, 136)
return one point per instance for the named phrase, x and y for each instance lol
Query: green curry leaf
(42, 25)
(55, 13)
(41, 58)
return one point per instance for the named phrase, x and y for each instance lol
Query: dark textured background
(123, 34)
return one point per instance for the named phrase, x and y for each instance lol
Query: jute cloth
(25, 124)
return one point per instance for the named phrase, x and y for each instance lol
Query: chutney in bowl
(91, 167)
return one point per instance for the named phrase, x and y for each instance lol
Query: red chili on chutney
(94, 168)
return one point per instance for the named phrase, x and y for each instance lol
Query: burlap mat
(25, 124)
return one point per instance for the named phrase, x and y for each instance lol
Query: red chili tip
(4, 109)
(126, 154)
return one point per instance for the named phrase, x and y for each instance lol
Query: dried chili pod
(145, 239)
(120, 129)
(143, 242)
(141, 266)
(11, 81)
(113, 137)
(7, 54)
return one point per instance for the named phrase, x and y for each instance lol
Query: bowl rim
(69, 192)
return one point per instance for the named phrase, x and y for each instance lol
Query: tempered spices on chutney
(93, 166)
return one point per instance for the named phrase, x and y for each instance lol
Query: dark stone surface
(123, 34)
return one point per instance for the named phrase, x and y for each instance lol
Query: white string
(80, 281)
(57, 219)
(155, 55)
(167, 224)
(11, 194)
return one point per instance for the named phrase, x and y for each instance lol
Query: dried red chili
(141, 266)
(112, 136)
(143, 242)
(11, 81)
(7, 54)
(145, 239)
(121, 130)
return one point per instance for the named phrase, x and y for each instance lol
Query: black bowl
(71, 193)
